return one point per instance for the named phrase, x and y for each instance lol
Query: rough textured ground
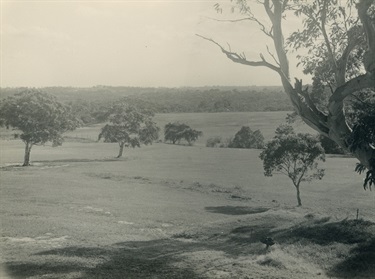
(177, 212)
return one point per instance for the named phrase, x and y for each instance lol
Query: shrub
(214, 141)
(246, 138)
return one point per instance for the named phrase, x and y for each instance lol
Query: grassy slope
(168, 211)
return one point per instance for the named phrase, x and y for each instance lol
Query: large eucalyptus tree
(339, 37)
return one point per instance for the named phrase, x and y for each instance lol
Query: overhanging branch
(241, 59)
(352, 86)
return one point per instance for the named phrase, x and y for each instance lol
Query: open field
(225, 124)
(168, 211)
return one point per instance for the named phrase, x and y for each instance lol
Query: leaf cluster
(329, 29)
(129, 125)
(175, 132)
(295, 155)
(247, 138)
(39, 117)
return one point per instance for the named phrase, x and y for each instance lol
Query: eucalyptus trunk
(331, 124)
(121, 150)
(26, 161)
(298, 196)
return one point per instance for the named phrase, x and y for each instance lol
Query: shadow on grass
(49, 163)
(360, 263)
(323, 233)
(143, 259)
(360, 234)
(20, 270)
(236, 210)
(164, 258)
(80, 160)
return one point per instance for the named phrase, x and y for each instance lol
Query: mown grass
(169, 211)
(224, 125)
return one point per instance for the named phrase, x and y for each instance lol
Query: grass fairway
(225, 125)
(169, 211)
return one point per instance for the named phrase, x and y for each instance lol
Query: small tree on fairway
(296, 156)
(338, 45)
(129, 126)
(38, 116)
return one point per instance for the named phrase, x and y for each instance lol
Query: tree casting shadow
(236, 210)
(136, 259)
(163, 258)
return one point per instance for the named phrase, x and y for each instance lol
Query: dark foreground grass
(169, 258)
(135, 259)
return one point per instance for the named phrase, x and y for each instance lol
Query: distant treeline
(89, 103)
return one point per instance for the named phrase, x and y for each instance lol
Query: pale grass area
(168, 211)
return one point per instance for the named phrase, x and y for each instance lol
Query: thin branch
(272, 55)
(229, 20)
(240, 58)
(324, 32)
(310, 103)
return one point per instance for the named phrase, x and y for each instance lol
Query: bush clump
(247, 138)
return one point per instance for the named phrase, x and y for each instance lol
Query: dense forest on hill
(90, 103)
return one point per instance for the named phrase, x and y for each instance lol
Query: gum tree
(175, 132)
(339, 39)
(37, 117)
(129, 126)
(296, 156)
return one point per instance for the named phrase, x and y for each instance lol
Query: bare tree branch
(272, 55)
(240, 58)
(229, 20)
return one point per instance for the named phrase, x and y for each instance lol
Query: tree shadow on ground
(360, 263)
(325, 233)
(80, 160)
(50, 163)
(135, 259)
(236, 210)
(360, 234)
(165, 258)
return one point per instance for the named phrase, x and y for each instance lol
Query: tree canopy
(339, 42)
(294, 155)
(37, 118)
(129, 126)
(247, 138)
(175, 132)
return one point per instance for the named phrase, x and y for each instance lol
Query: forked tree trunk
(121, 150)
(26, 161)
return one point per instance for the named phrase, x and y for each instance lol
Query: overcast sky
(125, 43)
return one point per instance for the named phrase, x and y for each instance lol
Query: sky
(127, 43)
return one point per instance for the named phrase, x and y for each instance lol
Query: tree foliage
(175, 132)
(338, 39)
(247, 138)
(294, 155)
(129, 126)
(38, 117)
